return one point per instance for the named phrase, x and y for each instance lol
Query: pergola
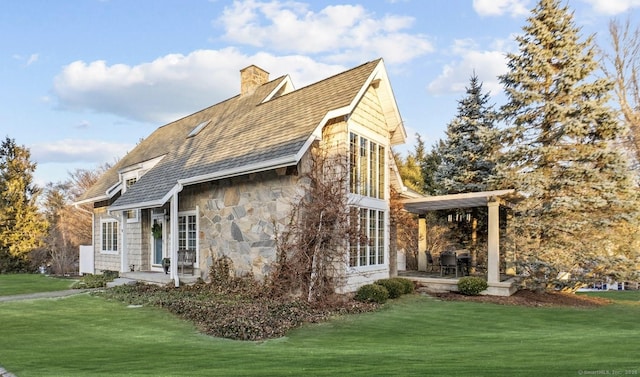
(491, 199)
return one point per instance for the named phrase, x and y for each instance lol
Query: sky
(83, 81)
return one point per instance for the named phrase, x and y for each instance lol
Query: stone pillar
(509, 248)
(422, 243)
(493, 258)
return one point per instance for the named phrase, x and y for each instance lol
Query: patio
(158, 277)
(501, 283)
(432, 281)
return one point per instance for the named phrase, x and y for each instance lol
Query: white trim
(285, 82)
(162, 218)
(117, 229)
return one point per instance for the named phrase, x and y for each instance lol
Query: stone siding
(239, 217)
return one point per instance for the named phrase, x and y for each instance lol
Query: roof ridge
(313, 84)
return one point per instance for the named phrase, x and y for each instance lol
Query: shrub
(96, 281)
(372, 293)
(471, 285)
(394, 287)
(408, 286)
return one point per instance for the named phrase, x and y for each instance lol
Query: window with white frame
(129, 182)
(109, 235)
(368, 249)
(366, 167)
(187, 232)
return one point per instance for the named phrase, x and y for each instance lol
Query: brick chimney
(251, 78)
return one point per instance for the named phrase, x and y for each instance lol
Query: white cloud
(346, 33)
(514, 8)
(487, 65)
(32, 59)
(28, 59)
(174, 85)
(77, 151)
(612, 7)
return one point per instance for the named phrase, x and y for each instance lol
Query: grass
(412, 336)
(15, 284)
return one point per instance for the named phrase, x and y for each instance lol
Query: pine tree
(470, 147)
(429, 166)
(22, 227)
(579, 207)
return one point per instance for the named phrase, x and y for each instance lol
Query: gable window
(129, 182)
(368, 250)
(187, 232)
(109, 236)
(366, 167)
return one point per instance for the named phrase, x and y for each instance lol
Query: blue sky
(82, 81)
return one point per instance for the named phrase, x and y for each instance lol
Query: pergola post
(493, 257)
(422, 243)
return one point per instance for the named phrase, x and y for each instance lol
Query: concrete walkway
(34, 296)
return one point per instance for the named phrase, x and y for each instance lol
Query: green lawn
(413, 336)
(15, 284)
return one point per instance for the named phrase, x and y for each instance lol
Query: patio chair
(431, 264)
(463, 258)
(187, 258)
(448, 262)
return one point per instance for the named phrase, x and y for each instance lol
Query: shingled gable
(253, 132)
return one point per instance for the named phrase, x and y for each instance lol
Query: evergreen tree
(410, 167)
(429, 166)
(22, 227)
(579, 206)
(469, 149)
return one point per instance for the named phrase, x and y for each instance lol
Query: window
(187, 232)
(132, 214)
(366, 167)
(129, 182)
(109, 235)
(368, 250)
(198, 128)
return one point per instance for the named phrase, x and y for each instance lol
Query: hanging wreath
(156, 229)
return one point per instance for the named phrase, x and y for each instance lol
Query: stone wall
(239, 217)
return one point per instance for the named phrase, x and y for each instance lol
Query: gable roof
(246, 133)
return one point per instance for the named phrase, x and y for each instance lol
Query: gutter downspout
(124, 258)
(173, 219)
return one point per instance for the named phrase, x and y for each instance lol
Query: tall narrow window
(187, 232)
(366, 167)
(353, 163)
(109, 236)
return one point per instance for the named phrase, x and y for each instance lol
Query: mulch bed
(529, 298)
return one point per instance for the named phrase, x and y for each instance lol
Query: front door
(158, 237)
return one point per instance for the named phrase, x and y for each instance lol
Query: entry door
(158, 237)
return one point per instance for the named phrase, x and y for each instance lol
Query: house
(221, 180)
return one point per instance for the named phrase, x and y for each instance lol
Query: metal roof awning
(465, 200)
